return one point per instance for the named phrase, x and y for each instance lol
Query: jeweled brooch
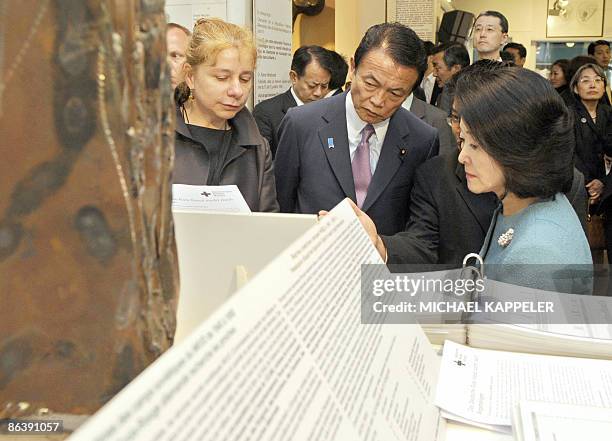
(504, 239)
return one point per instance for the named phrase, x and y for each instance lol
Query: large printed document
(287, 358)
(483, 386)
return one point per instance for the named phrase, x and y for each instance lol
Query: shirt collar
(356, 124)
(295, 97)
(407, 104)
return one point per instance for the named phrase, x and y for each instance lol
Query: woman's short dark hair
(563, 64)
(522, 122)
(480, 65)
(400, 42)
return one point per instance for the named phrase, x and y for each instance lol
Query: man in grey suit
(448, 60)
(435, 118)
(361, 144)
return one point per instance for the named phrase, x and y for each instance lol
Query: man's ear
(504, 41)
(456, 68)
(293, 76)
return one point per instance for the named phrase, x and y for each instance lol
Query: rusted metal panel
(88, 270)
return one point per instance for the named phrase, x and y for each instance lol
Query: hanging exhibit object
(88, 272)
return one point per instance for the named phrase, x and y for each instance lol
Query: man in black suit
(311, 70)
(361, 144)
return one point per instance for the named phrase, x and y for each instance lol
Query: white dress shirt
(407, 104)
(428, 84)
(354, 126)
(295, 97)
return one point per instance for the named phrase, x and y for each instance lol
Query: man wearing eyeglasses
(490, 34)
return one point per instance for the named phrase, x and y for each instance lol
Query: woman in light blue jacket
(517, 141)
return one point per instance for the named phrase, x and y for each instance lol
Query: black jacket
(593, 140)
(447, 221)
(248, 164)
(270, 113)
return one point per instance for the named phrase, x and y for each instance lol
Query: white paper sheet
(537, 421)
(287, 358)
(483, 385)
(220, 198)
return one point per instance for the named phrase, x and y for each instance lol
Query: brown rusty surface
(88, 271)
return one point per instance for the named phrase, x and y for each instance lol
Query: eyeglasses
(452, 120)
(586, 81)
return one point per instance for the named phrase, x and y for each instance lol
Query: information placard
(272, 27)
(186, 13)
(419, 15)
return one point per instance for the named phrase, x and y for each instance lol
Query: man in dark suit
(361, 144)
(435, 118)
(448, 60)
(310, 75)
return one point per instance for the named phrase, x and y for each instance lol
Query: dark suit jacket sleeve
(607, 148)
(264, 123)
(267, 197)
(446, 137)
(287, 165)
(418, 244)
(434, 148)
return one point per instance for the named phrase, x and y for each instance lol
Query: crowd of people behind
(441, 157)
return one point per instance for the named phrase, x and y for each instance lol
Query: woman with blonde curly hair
(217, 140)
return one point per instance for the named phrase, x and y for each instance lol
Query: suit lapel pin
(583, 120)
(330, 143)
(402, 153)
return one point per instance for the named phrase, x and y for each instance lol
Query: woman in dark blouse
(217, 140)
(593, 132)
